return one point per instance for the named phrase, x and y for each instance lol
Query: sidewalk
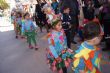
(5, 24)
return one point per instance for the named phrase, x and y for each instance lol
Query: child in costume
(85, 21)
(22, 29)
(13, 20)
(30, 31)
(18, 24)
(87, 57)
(58, 54)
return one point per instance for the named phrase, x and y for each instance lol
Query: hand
(81, 71)
(58, 59)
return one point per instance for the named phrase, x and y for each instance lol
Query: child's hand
(58, 59)
(36, 30)
(81, 71)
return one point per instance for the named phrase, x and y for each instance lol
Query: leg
(17, 30)
(29, 39)
(77, 24)
(81, 35)
(20, 27)
(68, 38)
(46, 26)
(34, 40)
(107, 32)
(73, 34)
(64, 70)
(40, 25)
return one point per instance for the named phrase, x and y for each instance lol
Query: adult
(54, 5)
(40, 16)
(106, 23)
(88, 9)
(96, 6)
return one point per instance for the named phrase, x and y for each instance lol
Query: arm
(65, 40)
(51, 47)
(33, 25)
(23, 27)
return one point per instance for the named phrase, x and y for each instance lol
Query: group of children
(87, 58)
(24, 27)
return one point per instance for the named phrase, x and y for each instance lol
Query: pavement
(16, 57)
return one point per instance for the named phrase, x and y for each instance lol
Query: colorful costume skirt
(64, 59)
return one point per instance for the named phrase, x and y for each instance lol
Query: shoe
(16, 37)
(36, 47)
(30, 47)
(74, 42)
(22, 37)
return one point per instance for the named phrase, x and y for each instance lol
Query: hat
(55, 22)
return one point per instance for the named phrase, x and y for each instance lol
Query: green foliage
(3, 4)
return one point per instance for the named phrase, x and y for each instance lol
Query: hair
(54, 23)
(19, 14)
(26, 14)
(65, 7)
(91, 30)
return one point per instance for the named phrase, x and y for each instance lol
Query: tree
(3, 4)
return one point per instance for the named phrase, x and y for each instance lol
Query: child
(66, 19)
(85, 21)
(29, 29)
(58, 55)
(87, 57)
(18, 24)
(13, 20)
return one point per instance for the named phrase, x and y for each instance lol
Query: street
(16, 57)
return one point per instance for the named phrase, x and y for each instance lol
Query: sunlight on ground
(7, 28)
(5, 25)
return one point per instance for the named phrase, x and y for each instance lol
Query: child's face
(53, 0)
(27, 16)
(58, 27)
(18, 15)
(97, 40)
(67, 10)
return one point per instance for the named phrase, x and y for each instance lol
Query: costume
(29, 29)
(13, 17)
(87, 58)
(18, 25)
(58, 49)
